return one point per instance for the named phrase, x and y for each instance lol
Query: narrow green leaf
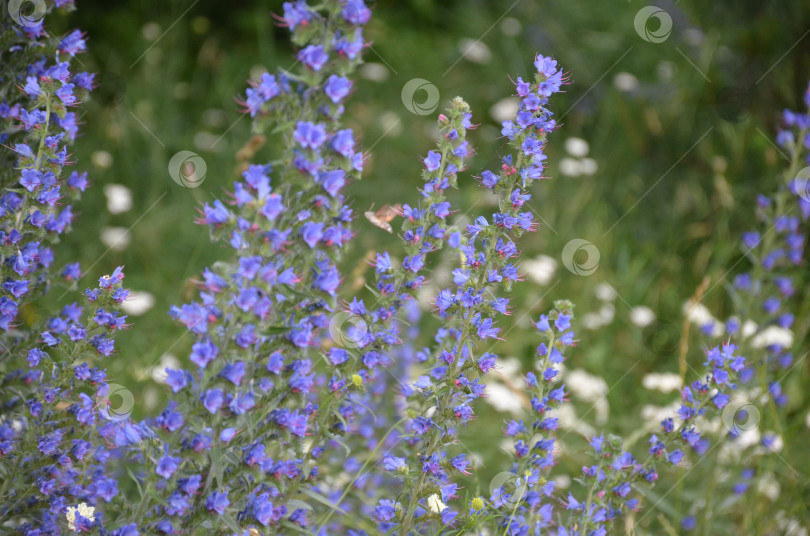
(321, 499)
(226, 517)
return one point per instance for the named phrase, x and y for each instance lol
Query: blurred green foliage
(680, 131)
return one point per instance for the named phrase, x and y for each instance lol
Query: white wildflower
(87, 512)
(435, 504)
(605, 292)
(159, 371)
(588, 166)
(642, 316)
(570, 167)
(504, 109)
(664, 382)
(119, 198)
(115, 238)
(576, 147)
(541, 269)
(625, 82)
(137, 303)
(773, 335)
(749, 327)
(503, 399)
(475, 50)
(586, 386)
(769, 487)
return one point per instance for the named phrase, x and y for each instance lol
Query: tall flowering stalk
(50, 458)
(230, 451)
(424, 232)
(37, 96)
(524, 502)
(769, 318)
(443, 398)
(51, 451)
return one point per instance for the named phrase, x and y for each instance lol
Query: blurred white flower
(605, 292)
(151, 398)
(502, 398)
(511, 368)
(214, 117)
(138, 302)
(591, 321)
(807, 420)
(665, 70)
(588, 166)
(390, 123)
(747, 438)
(474, 50)
(773, 335)
(698, 313)
(150, 30)
(159, 370)
(576, 147)
(562, 481)
(476, 460)
(570, 167)
(540, 269)
(602, 317)
(749, 327)
(653, 415)
(694, 36)
(642, 316)
(601, 409)
(206, 141)
(586, 386)
(119, 198)
(569, 420)
(777, 443)
(101, 159)
(790, 526)
(665, 382)
(115, 238)
(376, 72)
(504, 109)
(625, 82)
(768, 487)
(511, 26)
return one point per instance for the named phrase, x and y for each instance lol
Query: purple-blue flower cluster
(305, 406)
(444, 397)
(37, 123)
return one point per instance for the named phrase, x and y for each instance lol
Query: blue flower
(217, 502)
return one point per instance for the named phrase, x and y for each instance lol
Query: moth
(383, 215)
